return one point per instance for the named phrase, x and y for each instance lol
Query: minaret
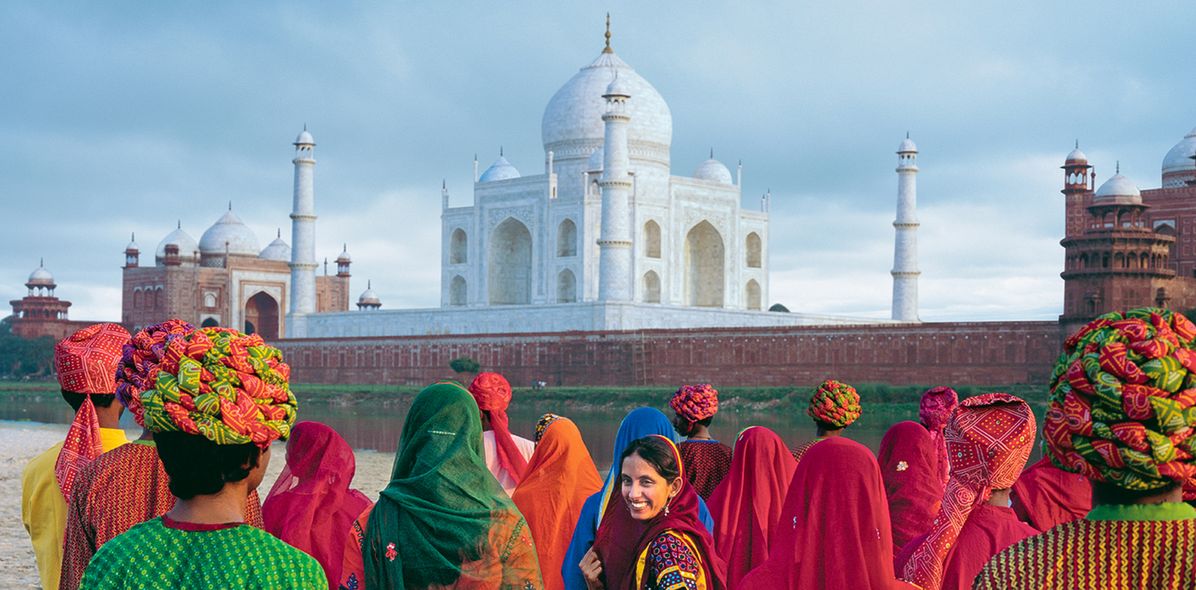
(614, 241)
(905, 256)
(303, 227)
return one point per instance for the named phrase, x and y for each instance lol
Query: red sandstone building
(40, 312)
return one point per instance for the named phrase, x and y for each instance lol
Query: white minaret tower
(303, 227)
(905, 256)
(614, 241)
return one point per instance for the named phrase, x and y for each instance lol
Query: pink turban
(493, 394)
(695, 403)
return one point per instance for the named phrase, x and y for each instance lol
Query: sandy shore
(21, 441)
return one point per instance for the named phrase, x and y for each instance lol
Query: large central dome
(572, 126)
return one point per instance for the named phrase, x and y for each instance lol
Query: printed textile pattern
(231, 388)
(1113, 555)
(168, 557)
(1122, 402)
(672, 565)
(835, 404)
(988, 442)
(933, 412)
(86, 363)
(543, 423)
(695, 403)
(139, 360)
(706, 465)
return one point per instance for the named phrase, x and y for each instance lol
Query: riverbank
(22, 441)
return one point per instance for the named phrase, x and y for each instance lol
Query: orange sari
(559, 478)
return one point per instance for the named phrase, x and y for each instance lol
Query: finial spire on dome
(179, 224)
(305, 125)
(1077, 144)
(1118, 167)
(133, 236)
(607, 49)
(369, 284)
(230, 205)
(41, 262)
(279, 236)
(500, 154)
(712, 153)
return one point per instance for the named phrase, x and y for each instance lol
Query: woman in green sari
(443, 521)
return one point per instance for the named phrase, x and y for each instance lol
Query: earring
(666, 509)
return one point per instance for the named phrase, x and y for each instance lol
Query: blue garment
(639, 423)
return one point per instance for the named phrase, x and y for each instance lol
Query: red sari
(311, 505)
(1045, 496)
(987, 532)
(747, 504)
(622, 542)
(909, 466)
(833, 533)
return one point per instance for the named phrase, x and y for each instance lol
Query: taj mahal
(604, 238)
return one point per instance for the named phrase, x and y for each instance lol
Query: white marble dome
(369, 297)
(714, 171)
(574, 113)
(1179, 157)
(907, 145)
(180, 238)
(133, 244)
(344, 255)
(276, 250)
(501, 169)
(305, 138)
(1118, 190)
(40, 277)
(1077, 156)
(597, 160)
(229, 229)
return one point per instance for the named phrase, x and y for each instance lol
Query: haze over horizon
(125, 118)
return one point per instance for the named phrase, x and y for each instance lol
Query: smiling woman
(669, 547)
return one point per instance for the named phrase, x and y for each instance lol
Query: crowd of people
(947, 503)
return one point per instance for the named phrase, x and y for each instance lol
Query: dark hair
(198, 466)
(1107, 493)
(827, 427)
(689, 426)
(658, 453)
(101, 400)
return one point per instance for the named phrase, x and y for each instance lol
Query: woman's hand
(591, 570)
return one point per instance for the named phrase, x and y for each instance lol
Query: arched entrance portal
(261, 316)
(704, 263)
(509, 281)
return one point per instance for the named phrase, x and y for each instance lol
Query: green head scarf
(437, 511)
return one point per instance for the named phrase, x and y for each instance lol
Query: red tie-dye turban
(86, 363)
(835, 404)
(231, 388)
(1122, 402)
(695, 403)
(138, 369)
(493, 394)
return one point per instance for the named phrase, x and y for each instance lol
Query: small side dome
(276, 250)
(501, 169)
(1077, 157)
(714, 171)
(133, 247)
(305, 138)
(1178, 165)
(40, 277)
(907, 146)
(369, 299)
(618, 87)
(344, 255)
(178, 237)
(597, 161)
(1118, 190)
(230, 230)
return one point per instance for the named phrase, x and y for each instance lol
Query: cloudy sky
(123, 117)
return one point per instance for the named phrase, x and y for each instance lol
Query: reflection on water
(377, 427)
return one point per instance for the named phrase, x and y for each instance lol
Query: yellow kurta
(43, 509)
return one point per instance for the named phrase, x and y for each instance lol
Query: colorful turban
(835, 404)
(86, 363)
(934, 411)
(231, 388)
(989, 439)
(138, 369)
(1122, 402)
(493, 394)
(543, 423)
(695, 403)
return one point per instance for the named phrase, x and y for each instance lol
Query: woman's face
(645, 491)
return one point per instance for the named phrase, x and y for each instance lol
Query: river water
(371, 426)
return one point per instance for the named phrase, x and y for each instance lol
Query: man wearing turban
(988, 441)
(127, 485)
(1122, 414)
(506, 454)
(833, 407)
(706, 460)
(86, 365)
(219, 399)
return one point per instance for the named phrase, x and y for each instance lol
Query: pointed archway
(704, 266)
(509, 281)
(261, 316)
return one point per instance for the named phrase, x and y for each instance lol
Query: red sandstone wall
(976, 353)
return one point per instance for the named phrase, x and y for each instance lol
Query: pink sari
(311, 505)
